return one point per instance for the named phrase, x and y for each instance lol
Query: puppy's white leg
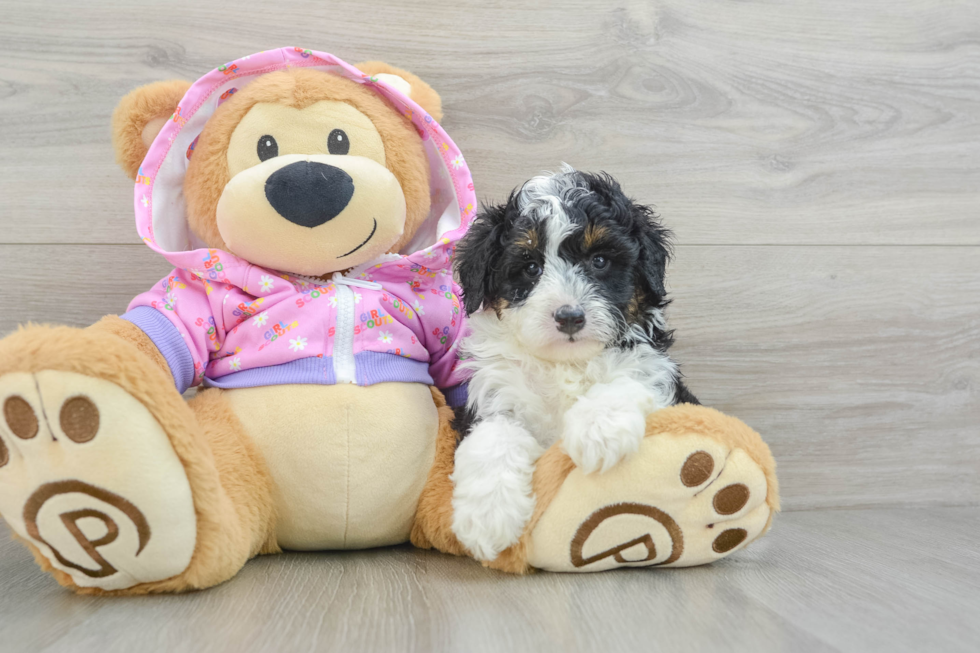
(492, 500)
(606, 424)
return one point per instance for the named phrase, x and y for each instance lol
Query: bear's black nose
(309, 193)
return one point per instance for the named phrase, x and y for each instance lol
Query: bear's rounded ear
(411, 85)
(139, 117)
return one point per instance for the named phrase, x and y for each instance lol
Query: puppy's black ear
(478, 254)
(655, 250)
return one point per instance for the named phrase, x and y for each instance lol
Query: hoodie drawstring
(339, 279)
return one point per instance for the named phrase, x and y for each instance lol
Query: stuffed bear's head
(300, 171)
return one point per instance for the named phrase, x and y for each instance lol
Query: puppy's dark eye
(532, 270)
(600, 262)
(337, 142)
(267, 148)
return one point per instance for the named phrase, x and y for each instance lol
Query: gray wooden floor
(848, 580)
(819, 163)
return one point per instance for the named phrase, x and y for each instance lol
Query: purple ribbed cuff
(456, 395)
(168, 340)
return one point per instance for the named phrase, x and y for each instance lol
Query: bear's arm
(132, 334)
(176, 321)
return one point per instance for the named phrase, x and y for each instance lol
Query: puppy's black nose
(570, 319)
(309, 193)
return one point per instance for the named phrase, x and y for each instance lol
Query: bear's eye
(267, 148)
(337, 142)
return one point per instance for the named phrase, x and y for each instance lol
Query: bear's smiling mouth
(370, 236)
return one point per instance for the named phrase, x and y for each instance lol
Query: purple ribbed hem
(372, 367)
(305, 370)
(456, 395)
(168, 340)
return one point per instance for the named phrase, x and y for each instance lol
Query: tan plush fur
(241, 470)
(115, 325)
(229, 482)
(140, 106)
(433, 520)
(207, 172)
(422, 94)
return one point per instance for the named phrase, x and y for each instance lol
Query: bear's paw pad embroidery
(90, 479)
(679, 501)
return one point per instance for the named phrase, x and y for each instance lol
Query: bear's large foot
(701, 486)
(90, 479)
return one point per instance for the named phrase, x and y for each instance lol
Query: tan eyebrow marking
(593, 235)
(527, 240)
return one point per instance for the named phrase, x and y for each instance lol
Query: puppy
(570, 345)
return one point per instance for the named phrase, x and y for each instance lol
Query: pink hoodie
(221, 321)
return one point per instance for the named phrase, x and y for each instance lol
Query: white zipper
(344, 367)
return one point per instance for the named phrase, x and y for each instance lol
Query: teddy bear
(310, 209)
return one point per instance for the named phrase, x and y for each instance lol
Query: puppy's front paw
(598, 435)
(488, 524)
(492, 497)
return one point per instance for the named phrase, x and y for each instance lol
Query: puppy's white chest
(554, 390)
(567, 383)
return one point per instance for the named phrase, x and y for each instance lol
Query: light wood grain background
(818, 161)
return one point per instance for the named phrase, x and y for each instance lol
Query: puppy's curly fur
(570, 345)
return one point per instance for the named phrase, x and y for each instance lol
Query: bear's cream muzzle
(312, 214)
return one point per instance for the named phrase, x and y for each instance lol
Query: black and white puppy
(570, 343)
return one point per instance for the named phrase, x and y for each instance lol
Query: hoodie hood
(161, 217)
